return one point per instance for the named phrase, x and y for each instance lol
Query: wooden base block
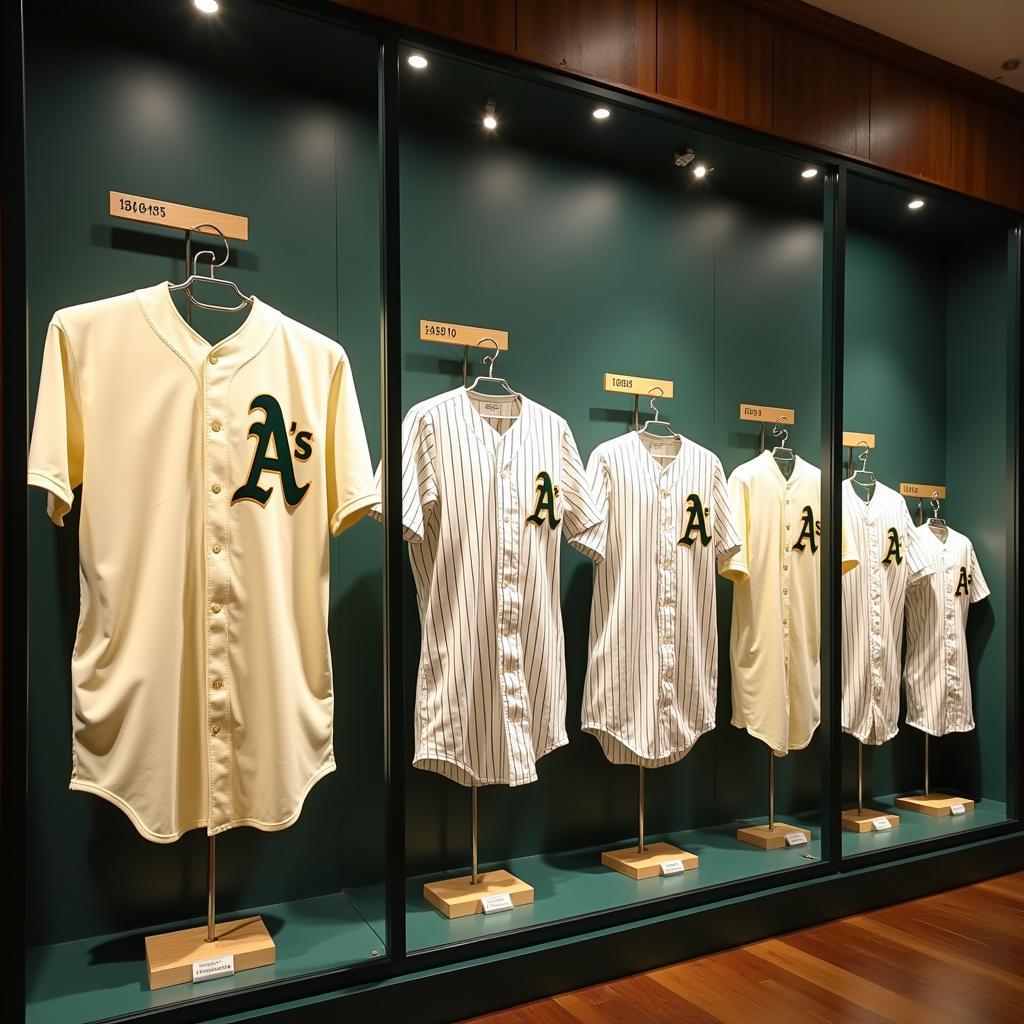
(936, 804)
(639, 865)
(861, 821)
(458, 897)
(769, 838)
(169, 957)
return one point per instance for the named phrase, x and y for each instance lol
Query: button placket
(667, 590)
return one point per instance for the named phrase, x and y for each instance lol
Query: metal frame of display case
(578, 949)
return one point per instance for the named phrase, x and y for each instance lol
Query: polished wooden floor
(957, 957)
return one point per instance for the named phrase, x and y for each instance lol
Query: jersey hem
(933, 732)
(877, 743)
(676, 754)
(420, 761)
(768, 743)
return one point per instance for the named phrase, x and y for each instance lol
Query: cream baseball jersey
(211, 477)
(485, 503)
(874, 596)
(936, 674)
(775, 641)
(652, 672)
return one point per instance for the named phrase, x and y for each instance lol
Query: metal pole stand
(771, 791)
(641, 845)
(211, 890)
(776, 834)
(474, 877)
(866, 819)
(927, 784)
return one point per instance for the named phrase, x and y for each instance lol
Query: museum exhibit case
(509, 476)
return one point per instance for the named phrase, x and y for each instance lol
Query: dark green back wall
(305, 170)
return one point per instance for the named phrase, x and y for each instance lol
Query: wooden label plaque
(175, 215)
(460, 334)
(923, 491)
(630, 384)
(853, 439)
(766, 414)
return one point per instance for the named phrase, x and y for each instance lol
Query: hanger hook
(863, 456)
(214, 262)
(489, 360)
(780, 431)
(651, 394)
(935, 504)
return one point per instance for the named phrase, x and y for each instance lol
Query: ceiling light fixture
(206, 6)
(915, 204)
(490, 121)
(699, 170)
(418, 61)
(809, 172)
(601, 114)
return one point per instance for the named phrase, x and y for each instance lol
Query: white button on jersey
(484, 508)
(202, 690)
(776, 670)
(652, 674)
(874, 594)
(936, 673)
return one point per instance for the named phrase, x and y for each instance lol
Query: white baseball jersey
(484, 507)
(874, 594)
(211, 478)
(936, 673)
(775, 639)
(652, 673)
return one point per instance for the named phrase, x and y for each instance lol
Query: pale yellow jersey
(211, 478)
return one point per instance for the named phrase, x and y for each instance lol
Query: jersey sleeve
(919, 564)
(850, 554)
(593, 541)
(580, 510)
(979, 587)
(724, 529)
(56, 455)
(735, 566)
(419, 481)
(351, 489)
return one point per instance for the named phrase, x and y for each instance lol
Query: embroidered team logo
(894, 547)
(272, 429)
(696, 522)
(810, 531)
(546, 495)
(963, 583)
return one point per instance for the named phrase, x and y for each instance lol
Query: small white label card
(957, 808)
(795, 838)
(881, 824)
(214, 967)
(672, 867)
(495, 902)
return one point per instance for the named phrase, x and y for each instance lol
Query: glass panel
(925, 641)
(587, 241)
(214, 113)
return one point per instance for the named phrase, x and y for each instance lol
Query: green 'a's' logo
(810, 530)
(963, 583)
(546, 494)
(696, 522)
(272, 428)
(894, 548)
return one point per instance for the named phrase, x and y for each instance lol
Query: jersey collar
(502, 447)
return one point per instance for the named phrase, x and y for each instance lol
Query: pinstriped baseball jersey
(652, 674)
(936, 673)
(211, 477)
(776, 603)
(874, 595)
(484, 509)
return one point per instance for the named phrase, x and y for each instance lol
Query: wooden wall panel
(489, 23)
(717, 55)
(822, 92)
(911, 123)
(988, 152)
(613, 40)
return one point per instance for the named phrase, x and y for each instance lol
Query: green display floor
(575, 884)
(915, 827)
(99, 978)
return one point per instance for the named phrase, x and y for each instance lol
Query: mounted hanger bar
(175, 215)
(628, 384)
(923, 491)
(851, 439)
(766, 414)
(459, 334)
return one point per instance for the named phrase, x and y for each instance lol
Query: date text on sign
(766, 414)
(496, 902)
(175, 215)
(923, 491)
(630, 384)
(460, 334)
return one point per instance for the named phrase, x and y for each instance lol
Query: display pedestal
(771, 838)
(647, 864)
(459, 897)
(246, 943)
(862, 820)
(936, 804)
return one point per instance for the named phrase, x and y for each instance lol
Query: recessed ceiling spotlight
(490, 121)
(699, 170)
(418, 61)
(206, 6)
(601, 114)
(1011, 65)
(915, 204)
(809, 172)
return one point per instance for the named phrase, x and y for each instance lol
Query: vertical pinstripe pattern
(491, 682)
(776, 615)
(652, 674)
(874, 594)
(936, 675)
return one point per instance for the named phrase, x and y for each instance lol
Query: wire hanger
(863, 476)
(656, 420)
(193, 261)
(938, 526)
(783, 455)
(474, 388)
